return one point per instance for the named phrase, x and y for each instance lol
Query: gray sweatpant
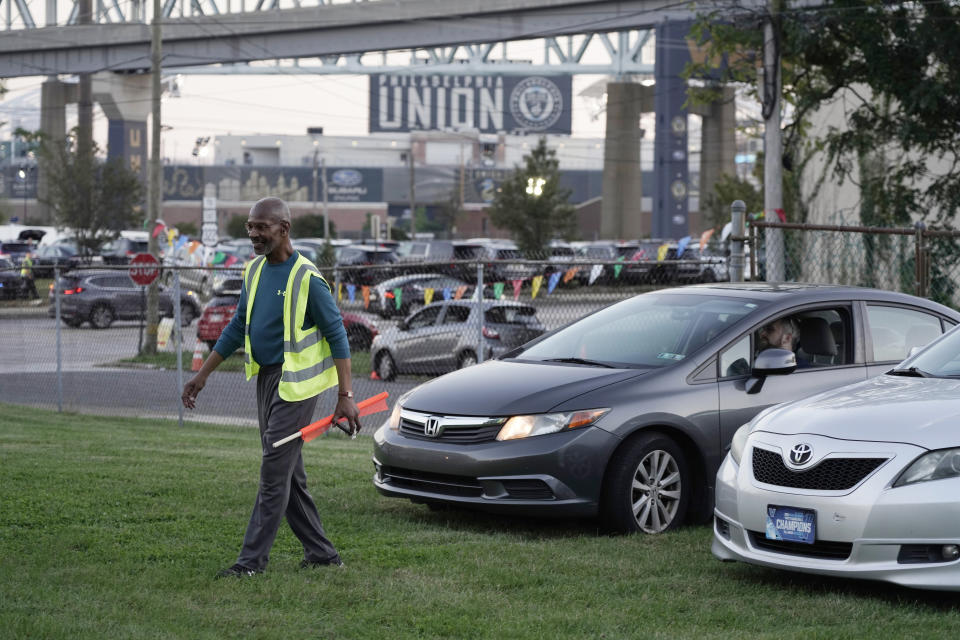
(283, 481)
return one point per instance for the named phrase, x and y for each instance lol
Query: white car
(859, 482)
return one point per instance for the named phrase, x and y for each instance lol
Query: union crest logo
(536, 103)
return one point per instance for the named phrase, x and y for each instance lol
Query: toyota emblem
(432, 428)
(801, 454)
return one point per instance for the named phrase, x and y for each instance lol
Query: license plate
(791, 524)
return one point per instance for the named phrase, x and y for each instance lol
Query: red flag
(157, 229)
(372, 404)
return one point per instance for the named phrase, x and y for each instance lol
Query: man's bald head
(273, 208)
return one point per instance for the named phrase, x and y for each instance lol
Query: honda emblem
(432, 428)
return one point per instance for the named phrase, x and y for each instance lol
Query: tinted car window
(467, 252)
(425, 318)
(509, 254)
(511, 315)
(653, 330)
(224, 301)
(456, 313)
(895, 331)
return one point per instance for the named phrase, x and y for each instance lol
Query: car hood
(502, 387)
(921, 411)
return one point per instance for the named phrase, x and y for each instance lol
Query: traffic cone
(198, 355)
(374, 376)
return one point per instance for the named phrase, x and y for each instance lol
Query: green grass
(115, 528)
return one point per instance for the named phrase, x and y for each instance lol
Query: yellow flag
(170, 234)
(662, 252)
(339, 292)
(427, 295)
(535, 286)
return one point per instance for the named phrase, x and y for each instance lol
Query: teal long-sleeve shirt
(266, 321)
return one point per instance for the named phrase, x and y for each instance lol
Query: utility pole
(413, 197)
(772, 142)
(326, 208)
(155, 185)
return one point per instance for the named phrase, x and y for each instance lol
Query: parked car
(11, 283)
(626, 414)
(363, 264)
(100, 297)
(127, 245)
(443, 336)
(604, 253)
(857, 482)
(693, 265)
(15, 251)
(641, 260)
(217, 314)
(47, 257)
(412, 288)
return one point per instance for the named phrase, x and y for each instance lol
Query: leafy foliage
(533, 220)
(92, 198)
(309, 226)
(896, 65)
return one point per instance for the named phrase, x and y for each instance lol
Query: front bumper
(559, 474)
(867, 532)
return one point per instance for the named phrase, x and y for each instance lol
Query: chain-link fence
(880, 257)
(80, 347)
(406, 322)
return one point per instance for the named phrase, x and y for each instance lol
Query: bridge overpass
(323, 30)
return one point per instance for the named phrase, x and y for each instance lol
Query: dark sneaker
(238, 571)
(311, 564)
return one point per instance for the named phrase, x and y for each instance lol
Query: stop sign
(144, 268)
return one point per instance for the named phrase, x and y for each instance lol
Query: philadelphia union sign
(532, 104)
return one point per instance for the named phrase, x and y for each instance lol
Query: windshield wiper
(910, 372)
(591, 363)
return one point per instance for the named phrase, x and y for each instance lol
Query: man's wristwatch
(345, 394)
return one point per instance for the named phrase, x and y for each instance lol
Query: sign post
(209, 233)
(143, 270)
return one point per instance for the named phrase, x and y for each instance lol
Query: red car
(220, 309)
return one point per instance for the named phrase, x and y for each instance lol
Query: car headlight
(544, 423)
(935, 465)
(739, 442)
(393, 422)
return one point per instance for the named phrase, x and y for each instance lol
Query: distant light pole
(321, 167)
(22, 175)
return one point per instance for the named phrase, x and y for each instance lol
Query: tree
(94, 199)
(532, 206)
(310, 226)
(899, 65)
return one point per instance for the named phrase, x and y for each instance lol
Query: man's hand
(191, 389)
(347, 409)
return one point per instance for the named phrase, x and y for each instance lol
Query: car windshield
(942, 360)
(651, 330)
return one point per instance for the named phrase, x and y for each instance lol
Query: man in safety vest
(295, 343)
(26, 272)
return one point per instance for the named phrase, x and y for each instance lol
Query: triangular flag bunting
(351, 291)
(595, 272)
(517, 285)
(571, 272)
(462, 289)
(498, 290)
(427, 295)
(447, 293)
(552, 283)
(366, 296)
(535, 285)
(396, 297)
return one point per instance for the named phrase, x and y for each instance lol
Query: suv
(356, 256)
(101, 297)
(121, 250)
(15, 251)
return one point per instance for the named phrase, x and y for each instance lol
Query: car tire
(649, 470)
(359, 338)
(101, 316)
(385, 367)
(466, 359)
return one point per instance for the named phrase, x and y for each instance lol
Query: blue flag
(351, 290)
(554, 279)
(446, 293)
(682, 244)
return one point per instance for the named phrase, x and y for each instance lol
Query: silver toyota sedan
(858, 482)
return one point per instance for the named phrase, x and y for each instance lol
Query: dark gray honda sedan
(626, 414)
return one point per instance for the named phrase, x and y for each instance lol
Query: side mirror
(770, 362)
(914, 351)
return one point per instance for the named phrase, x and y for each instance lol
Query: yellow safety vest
(26, 267)
(307, 361)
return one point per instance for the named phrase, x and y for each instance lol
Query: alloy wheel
(656, 491)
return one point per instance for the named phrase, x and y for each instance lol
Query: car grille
(833, 474)
(823, 549)
(456, 434)
(441, 483)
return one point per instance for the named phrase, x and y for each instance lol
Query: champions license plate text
(791, 524)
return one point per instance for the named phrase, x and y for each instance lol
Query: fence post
(56, 304)
(738, 211)
(479, 292)
(178, 342)
(920, 263)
